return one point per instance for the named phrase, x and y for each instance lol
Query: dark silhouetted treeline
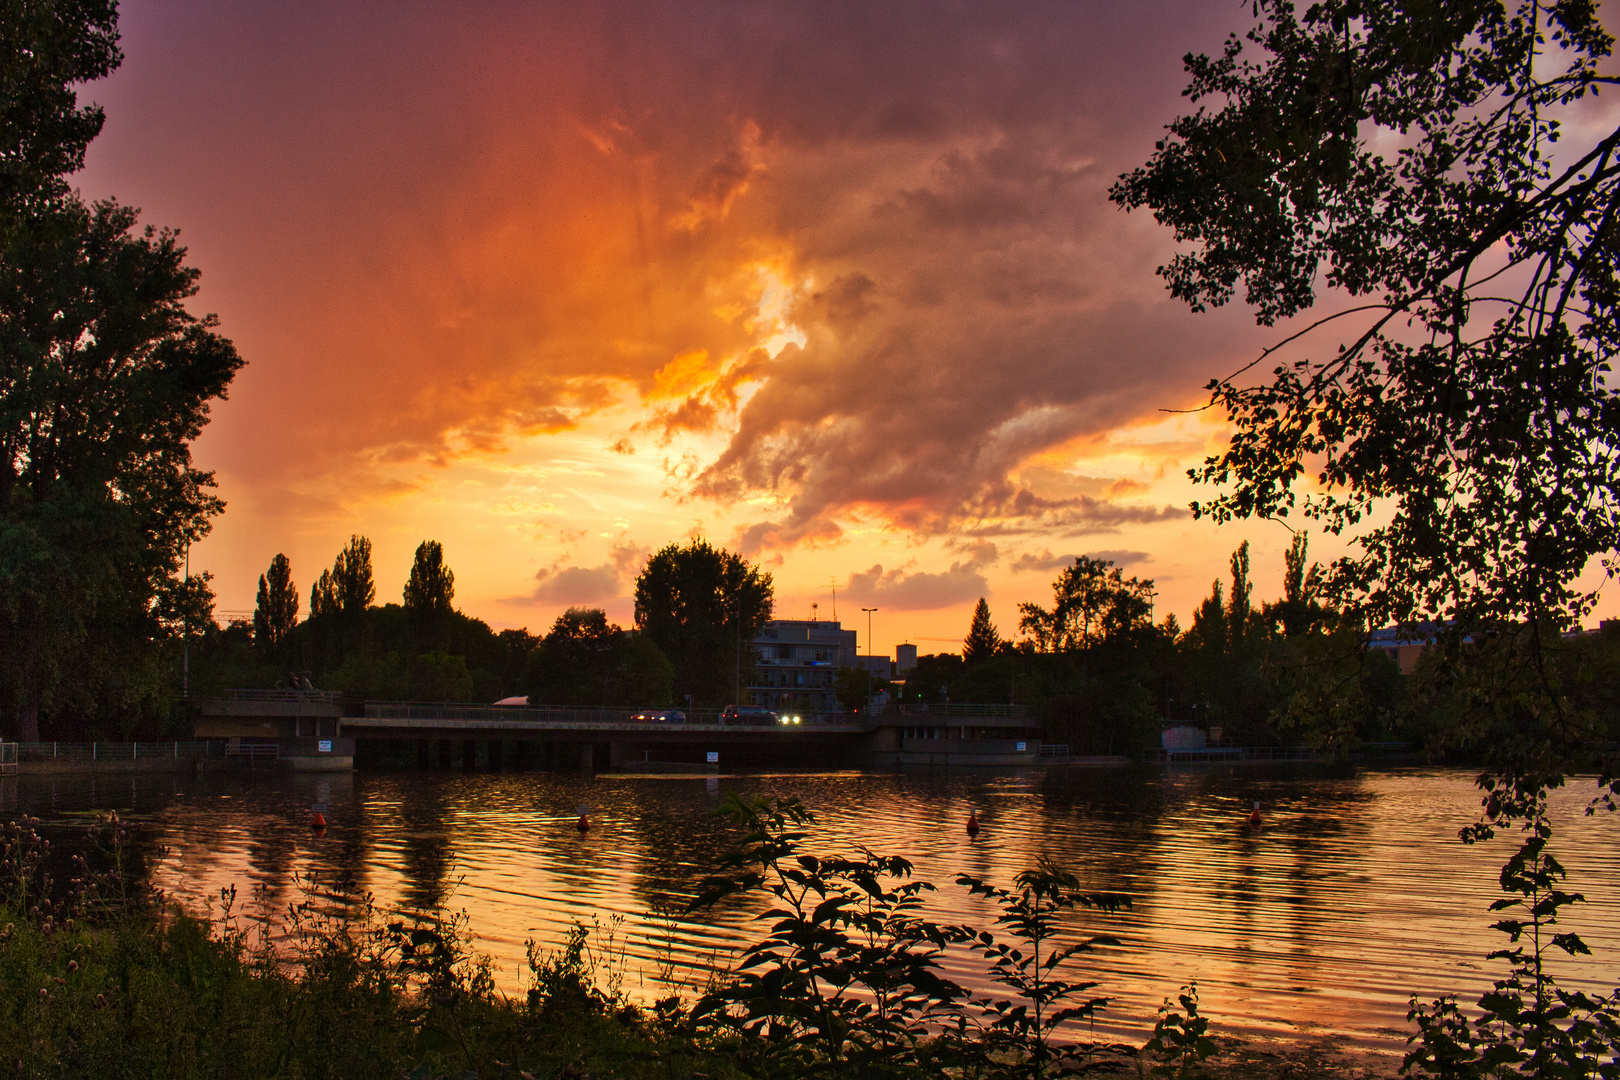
(1102, 676)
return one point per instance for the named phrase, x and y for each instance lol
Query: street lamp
(871, 652)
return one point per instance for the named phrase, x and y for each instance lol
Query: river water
(1354, 894)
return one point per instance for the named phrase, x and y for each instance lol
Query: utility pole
(737, 700)
(870, 652)
(185, 637)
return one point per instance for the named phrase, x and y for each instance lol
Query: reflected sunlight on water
(1353, 895)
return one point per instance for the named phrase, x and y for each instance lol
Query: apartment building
(796, 664)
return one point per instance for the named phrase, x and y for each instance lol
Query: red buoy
(584, 823)
(973, 823)
(1254, 815)
(317, 821)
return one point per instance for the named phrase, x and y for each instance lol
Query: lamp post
(871, 652)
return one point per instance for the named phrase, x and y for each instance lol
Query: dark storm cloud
(453, 224)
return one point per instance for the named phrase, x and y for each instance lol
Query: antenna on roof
(833, 585)
(815, 610)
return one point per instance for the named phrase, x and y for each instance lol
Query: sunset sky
(837, 285)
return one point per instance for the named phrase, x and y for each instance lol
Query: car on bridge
(660, 716)
(749, 714)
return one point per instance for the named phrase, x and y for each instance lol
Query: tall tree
(432, 586)
(1298, 611)
(703, 607)
(276, 612)
(1209, 621)
(429, 596)
(105, 380)
(982, 640)
(1240, 605)
(46, 48)
(1092, 601)
(352, 582)
(323, 597)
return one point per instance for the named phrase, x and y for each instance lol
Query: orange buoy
(973, 823)
(1254, 815)
(317, 821)
(584, 823)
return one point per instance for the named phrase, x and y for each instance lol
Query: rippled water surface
(1353, 895)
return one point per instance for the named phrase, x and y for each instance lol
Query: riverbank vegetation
(99, 977)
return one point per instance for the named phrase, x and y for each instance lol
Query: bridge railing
(117, 751)
(325, 697)
(948, 710)
(434, 710)
(570, 715)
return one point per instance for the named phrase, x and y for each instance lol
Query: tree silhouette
(277, 610)
(703, 607)
(105, 380)
(352, 583)
(982, 640)
(432, 585)
(1092, 602)
(323, 598)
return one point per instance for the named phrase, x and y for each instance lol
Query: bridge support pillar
(616, 755)
(586, 765)
(497, 755)
(469, 753)
(422, 746)
(444, 753)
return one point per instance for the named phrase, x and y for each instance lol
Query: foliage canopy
(703, 607)
(1416, 161)
(1442, 173)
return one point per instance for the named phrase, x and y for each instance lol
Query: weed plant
(846, 982)
(1180, 1039)
(1526, 1025)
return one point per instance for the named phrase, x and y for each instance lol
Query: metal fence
(117, 751)
(948, 710)
(8, 758)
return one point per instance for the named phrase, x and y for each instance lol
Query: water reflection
(1352, 895)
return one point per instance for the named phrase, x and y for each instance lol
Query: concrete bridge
(316, 730)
